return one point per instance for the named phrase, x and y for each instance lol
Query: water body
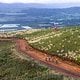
(13, 27)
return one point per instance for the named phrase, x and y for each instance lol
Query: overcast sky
(40, 1)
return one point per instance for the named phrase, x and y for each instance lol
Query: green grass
(65, 42)
(13, 68)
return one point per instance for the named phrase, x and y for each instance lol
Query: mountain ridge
(41, 5)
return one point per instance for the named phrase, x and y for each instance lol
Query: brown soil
(65, 67)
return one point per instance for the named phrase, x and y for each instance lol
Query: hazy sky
(41, 1)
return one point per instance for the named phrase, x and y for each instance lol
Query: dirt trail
(65, 67)
(62, 66)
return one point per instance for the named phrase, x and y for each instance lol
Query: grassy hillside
(64, 42)
(14, 68)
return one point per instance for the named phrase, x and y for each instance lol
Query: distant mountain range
(37, 5)
(35, 15)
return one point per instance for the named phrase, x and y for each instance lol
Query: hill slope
(12, 67)
(65, 42)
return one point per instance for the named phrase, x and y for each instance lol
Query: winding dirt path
(65, 67)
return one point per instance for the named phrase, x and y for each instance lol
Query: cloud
(41, 1)
(25, 1)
